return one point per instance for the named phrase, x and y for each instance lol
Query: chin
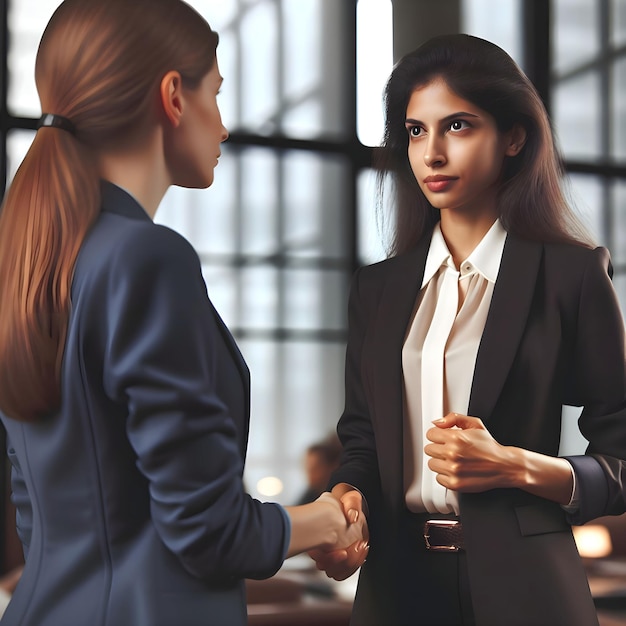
(196, 183)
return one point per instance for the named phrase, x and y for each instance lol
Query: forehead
(435, 98)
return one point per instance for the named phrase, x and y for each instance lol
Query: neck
(463, 233)
(140, 170)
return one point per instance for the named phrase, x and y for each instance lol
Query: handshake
(343, 556)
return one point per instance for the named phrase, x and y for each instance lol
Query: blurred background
(292, 214)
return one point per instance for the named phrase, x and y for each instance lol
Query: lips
(439, 182)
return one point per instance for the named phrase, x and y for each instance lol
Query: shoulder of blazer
(578, 256)
(405, 265)
(567, 266)
(124, 246)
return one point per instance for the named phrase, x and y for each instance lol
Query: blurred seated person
(320, 460)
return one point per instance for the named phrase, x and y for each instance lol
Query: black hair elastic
(56, 121)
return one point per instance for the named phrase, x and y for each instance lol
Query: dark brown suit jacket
(554, 335)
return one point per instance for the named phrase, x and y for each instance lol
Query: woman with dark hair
(124, 396)
(494, 310)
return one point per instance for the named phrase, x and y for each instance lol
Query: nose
(434, 154)
(224, 135)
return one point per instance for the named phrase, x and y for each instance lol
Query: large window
(275, 233)
(589, 110)
(292, 212)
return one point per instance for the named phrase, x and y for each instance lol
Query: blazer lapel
(242, 367)
(510, 306)
(233, 348)
(384, 346)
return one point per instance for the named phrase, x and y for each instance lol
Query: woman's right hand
(348, 519)
(339, 562)
(323, 525)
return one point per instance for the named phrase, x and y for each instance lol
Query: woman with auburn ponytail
(124, 397)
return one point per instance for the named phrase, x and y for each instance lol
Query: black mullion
(355, 148)
(606, 119)
(537, 46)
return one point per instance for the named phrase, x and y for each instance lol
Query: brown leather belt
(443, 535)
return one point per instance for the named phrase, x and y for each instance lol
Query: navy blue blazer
(130, 502)
(554, 335)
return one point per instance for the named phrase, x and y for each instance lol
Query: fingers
(458, 420)
(352, 503)
(435, 451)
(341, 564)
(324, 560)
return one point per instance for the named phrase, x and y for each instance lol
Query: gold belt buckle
(440, 523)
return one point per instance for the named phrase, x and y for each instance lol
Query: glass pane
(373, 66)
(292, 299)
(576, 32)
(314, 299)
(586, 195)
(27, 20)
(281, 74)
(259, 188)
(18, 143)
(618, 109)
(260, 91)
(371, 243)
(577, 107)
(314, 195)
(495, 21)
(259, 298)
(618, 22)
(305, 95)
(618, 199)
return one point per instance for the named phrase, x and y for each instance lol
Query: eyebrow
(447, 118)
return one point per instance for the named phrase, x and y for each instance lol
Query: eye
(459, 125)
(414, 131)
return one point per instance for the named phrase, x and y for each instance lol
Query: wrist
(544, 476)
(520, 471)
(341, 489)
(327, 519)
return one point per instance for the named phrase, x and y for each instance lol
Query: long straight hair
(99, 64)
(531, 199)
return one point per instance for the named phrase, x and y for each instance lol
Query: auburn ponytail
(52, 201)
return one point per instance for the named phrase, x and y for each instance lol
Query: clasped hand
(341, 561)
(466, 457)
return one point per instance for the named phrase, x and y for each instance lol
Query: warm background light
(593, 540)
(269, 486)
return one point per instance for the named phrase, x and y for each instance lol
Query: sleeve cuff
(592, 488)
(574, 501)
(287, 537)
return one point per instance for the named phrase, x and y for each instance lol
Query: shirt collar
(484, 259)
(118, 200)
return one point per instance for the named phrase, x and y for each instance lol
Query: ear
(171, 93)
(516, 138)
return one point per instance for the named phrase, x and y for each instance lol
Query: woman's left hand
(467, 458)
